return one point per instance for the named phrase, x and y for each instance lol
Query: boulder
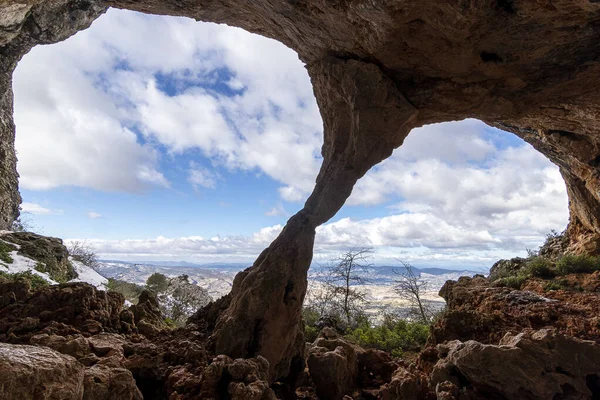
(532, 365)
(66, 309)
(504, 268)
(39, 373)
(147, 315)
(102, 382)
(477, 310)
(333, 367)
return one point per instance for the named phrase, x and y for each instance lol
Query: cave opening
(370, 97)
(113, 115)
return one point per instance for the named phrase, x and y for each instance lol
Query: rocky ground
(74, 341)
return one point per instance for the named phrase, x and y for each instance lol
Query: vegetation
(23, 223)
(177, 297)
(129, 290)
(5, 249)
(540, 267)
(394, 335)
(411, 288)
(514, 282)
(577, 264)
(340, 296)
(548, 266)
(36, 282)
(82, 252)
(157, 282)
(339, 303)
(344, 275)
(561, 284)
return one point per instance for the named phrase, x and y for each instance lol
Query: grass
(5, 250)
(514, 282)
(35, 281)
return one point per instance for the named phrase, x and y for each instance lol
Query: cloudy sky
(159, 138)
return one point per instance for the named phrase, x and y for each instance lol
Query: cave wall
(379, 68)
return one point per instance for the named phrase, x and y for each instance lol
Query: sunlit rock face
(379, 69)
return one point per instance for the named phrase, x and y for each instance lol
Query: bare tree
(344, 274)
(81, 251)
(408, 286)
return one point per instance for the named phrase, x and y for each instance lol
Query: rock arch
(379, 68)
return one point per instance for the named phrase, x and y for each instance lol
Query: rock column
(365, 119)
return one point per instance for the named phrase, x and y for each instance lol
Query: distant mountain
(217, 278)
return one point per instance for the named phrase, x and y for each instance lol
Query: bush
(577, 264)
(81, 251)
(130, 291)
(394, 336)
(156, 282)
(5, 249)
(562, 284)
(36, 282)
(514, 282)
(540, 267)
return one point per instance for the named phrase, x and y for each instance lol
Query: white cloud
(277, 211)
(201, 177)
(69, 131)
(79, 105)
(37, 209)
(94, 215)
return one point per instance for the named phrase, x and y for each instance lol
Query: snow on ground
(22, 264)
(88, 275)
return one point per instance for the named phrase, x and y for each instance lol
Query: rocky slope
(379, 69)
(74, 341)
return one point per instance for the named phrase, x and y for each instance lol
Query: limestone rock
(504, 268)
(147, 315)
(242, 379)
(39, 373)
(479, 311)
(102, 382)
(531, 365)
(333, 367)
(65, 309)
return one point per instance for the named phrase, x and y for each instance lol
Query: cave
(378, 70)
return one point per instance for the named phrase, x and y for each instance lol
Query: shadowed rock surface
(379, 69)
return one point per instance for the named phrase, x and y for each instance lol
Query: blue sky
(162, 138)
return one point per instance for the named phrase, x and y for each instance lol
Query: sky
(162, 138)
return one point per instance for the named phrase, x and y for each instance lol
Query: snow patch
(88, 275)
(23, 264)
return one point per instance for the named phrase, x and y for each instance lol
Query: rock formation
(379, 69)
(50, 253)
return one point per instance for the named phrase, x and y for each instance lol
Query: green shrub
(157, 282)
(394, 336)
(555, 285)
(35, 281)
(514, 282)
(561, 284)
(540, 267)
(310, 318)
(5, 250)
(129, 290)
(577, 264)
